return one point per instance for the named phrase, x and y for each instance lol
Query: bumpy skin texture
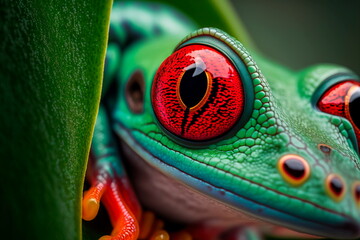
(241, 169)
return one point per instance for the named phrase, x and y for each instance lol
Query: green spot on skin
(347, 125)
(214, 161)
(248, 152)
(265, 99)
(254, 75)
(271, 121)
(243, 148)
(284, 137)
(335, 121)
(254, 135)
(241, 133)
(271, 130)
(262, 118)
(345, 133)
(257, 81)
(262, 130)
(250, 142)
(269, 114)
(258, 88)
(260, 95)
(257, 104)
(255, 113)
(249, 132)
(252, 69)
(253, 122)
(281, 129)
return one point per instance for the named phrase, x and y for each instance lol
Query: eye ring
(294, 169)
(335, 187)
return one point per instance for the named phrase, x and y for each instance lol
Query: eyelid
(328, 82)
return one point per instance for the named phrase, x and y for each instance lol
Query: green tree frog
(210, 132)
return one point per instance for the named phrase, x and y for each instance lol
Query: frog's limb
(110, 184)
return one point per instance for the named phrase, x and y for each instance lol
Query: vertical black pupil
(354, 108)
(193, 88)
(294, 167)
(336, 185)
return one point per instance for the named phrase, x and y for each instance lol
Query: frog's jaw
(340, 225)
(184, 204)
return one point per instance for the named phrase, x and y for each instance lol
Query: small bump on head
(335, 187)
(294, 169)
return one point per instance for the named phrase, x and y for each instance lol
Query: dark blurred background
(301, 33)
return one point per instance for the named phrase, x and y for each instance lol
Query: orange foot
(120, 202)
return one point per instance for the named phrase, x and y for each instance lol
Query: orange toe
(91, 202)
(160, 235)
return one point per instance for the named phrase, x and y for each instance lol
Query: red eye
(197, 93)
(343, 99)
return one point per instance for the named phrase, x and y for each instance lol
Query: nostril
(324, 148)
(335, 187)
(294, 169)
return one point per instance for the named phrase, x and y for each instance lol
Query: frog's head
(279, 145)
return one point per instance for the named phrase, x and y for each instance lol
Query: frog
(208, 133)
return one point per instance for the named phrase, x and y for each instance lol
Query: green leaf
(214, 13)
(51, 64)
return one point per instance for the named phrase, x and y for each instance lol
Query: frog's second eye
(197, 93)
(343, 99)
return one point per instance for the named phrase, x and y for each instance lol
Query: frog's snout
(296, 170)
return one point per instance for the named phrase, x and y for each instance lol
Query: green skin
(240, 168)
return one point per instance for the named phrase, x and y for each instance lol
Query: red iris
(343, 99)
(197, 93)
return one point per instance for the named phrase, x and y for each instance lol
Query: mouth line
(347, 220)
